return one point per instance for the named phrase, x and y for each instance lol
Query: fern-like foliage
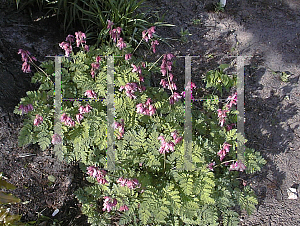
(158, 179)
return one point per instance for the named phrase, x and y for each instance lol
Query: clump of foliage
(91, 16)
(6, 199)
(156, 180)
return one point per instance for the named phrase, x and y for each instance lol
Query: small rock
(292, 192)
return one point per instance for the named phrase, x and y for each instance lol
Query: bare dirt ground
(266, 32)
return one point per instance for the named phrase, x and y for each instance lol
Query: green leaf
(8, 198)
(6, 185)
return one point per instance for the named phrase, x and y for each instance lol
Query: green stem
(227, 161)
(165, 161)
(38, 68)
(138, 45)
(155, 62)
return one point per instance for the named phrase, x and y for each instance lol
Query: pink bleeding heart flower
(95, 172)
(70, 38)
(79, 117)
(153, 45)
(121, 44)
(164, 83)
(128, 56)
(222, 116)
(132, 183)
(109, 24)
(120, 126)
(80, 38)
(175, 97)
(211, 166)
(232, 99)
(86, 48)
(136, 69)
(123, 208)
(67, 47)
(64, 117)
(26, 67)
(70, 122)
(238, 165)
(26, 109)
(25, 54)
(38, 120)
(109, 203)
(90, 94)
(122, 181)
(225, 149)
(115, 33)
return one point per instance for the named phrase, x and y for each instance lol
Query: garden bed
(267, 32)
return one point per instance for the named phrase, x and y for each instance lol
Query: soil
(266, 32)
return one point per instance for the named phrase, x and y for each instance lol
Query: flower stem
(138, 45)
(228, 161)
(38, 68)
(155, 62)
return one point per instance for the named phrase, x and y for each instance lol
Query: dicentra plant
(154, 182)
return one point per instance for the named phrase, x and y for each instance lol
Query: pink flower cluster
(225, 149)
(90, 94)
(166, 65)
(109, 203)
(95, 66)
(146, 109)
(166, 68)
(67, 45)
(120, 126)
(67, 120)
(115, 35)
(26, 58)
(130, 183)
(153, 45)
(238, 165)
(131, 88)
(222, 116)
(128, 56)
(222, 113)
(56, 139)
(38, 120)
(80, 38)
(121, 44)
(176, 138)
(138, 70)
(169, 146)
(193, 86)
(230, 126)
(83, 110)
(232, 99)
(148, 34)
(174, 97)
(26, 108)
(95, 172)
(211, 165)
(123, 208)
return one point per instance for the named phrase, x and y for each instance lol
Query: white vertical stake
(223, 3)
